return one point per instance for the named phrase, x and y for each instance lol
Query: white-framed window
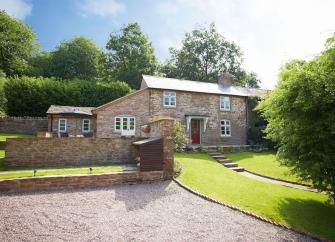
(224, 103)
(62, 125)
(169, 99)
(124, 123)
(225, 127)
(86, 126)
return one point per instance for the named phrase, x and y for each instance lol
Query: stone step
(225, 160)
(218, 157)
(237, 169)
(214, 153)
(230, 165)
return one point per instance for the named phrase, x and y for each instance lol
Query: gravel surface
(160, 211)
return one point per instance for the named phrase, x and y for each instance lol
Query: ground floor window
(62, 125)
(225, 127)
(124, 123)
(86, 125)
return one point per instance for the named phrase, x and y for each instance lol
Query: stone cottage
(211, 113)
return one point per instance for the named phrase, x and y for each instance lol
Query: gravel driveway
(161, 211)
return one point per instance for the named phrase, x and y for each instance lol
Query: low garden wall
(68, 151)
(76, 181)
(23, 125)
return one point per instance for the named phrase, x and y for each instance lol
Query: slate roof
(56, 109)
(197, 86)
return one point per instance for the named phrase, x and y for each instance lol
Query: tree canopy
(77, 58)
(17, 43)
(130, 54)
(301, 117)
(203, 53)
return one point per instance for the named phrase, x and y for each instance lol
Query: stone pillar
(163, 127)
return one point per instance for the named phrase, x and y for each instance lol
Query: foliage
(303, 210)
(179, 137)
(202, 149)
(40, 65)
(256, 125)
(204, 52)
(28, 96)
(301, 118)
(77, 58)
(17, 43)
(130, 55)
(2, 93)
(4, 136)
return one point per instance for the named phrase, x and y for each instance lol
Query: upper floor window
(169, 99)
(225, 128)
(124, 123)
(86, 125)
(62, 125)
(224, 103)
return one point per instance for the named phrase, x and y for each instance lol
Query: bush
(28, 96)
(180, 139)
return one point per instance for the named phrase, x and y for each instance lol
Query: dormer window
(169, 99)
(224, 103)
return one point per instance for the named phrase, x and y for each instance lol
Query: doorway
(195, 131)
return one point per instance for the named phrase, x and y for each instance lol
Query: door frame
(190, 132)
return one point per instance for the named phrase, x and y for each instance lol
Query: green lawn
(54, 172)
(4, 136)
(19, 172)
(303, 210)
(264, 163)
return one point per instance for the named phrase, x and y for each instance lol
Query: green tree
(76, 58)
(130, 55)
(17, 43)
(301, 118)
(40, 65)
(2, 93)
(203, 53)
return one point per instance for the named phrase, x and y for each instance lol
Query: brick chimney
(224, 78)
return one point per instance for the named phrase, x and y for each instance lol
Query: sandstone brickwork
(23, 125)
(76, 181)
(205, 104)
(68, 151)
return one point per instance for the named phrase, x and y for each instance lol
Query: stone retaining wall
(76, 181)
(23, 125)
(68, 151)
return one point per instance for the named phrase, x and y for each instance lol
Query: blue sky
(269, 32)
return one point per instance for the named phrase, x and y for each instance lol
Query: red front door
(195, 131)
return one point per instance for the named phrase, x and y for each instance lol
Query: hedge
(30, 96)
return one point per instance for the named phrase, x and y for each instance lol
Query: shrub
(180, 139)
(28, 96)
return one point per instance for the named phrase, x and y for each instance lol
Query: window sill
(225, 110)
(225, 136)
(169, 106)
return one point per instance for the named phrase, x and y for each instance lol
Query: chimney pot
(224, 78)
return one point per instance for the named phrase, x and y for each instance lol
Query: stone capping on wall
(46, 183)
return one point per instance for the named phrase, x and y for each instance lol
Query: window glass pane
(131, 123)
(62, 125)
(124, 123)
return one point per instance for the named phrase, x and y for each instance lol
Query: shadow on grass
(314, 216)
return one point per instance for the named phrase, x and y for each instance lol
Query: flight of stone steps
(223, 160)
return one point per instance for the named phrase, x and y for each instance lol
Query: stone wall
(163, 127)
(205, 104)
(76, 181)
(23, 125)
(68, 151)
(135, 104)
(74, 125)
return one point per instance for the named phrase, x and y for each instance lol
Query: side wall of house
(73, 124)
(136, 105)
(205, 104)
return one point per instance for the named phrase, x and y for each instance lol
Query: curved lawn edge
(278, 179)
(195, 192)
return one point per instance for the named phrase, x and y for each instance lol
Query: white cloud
(102, 8)
(19, 9)
(270, 32)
